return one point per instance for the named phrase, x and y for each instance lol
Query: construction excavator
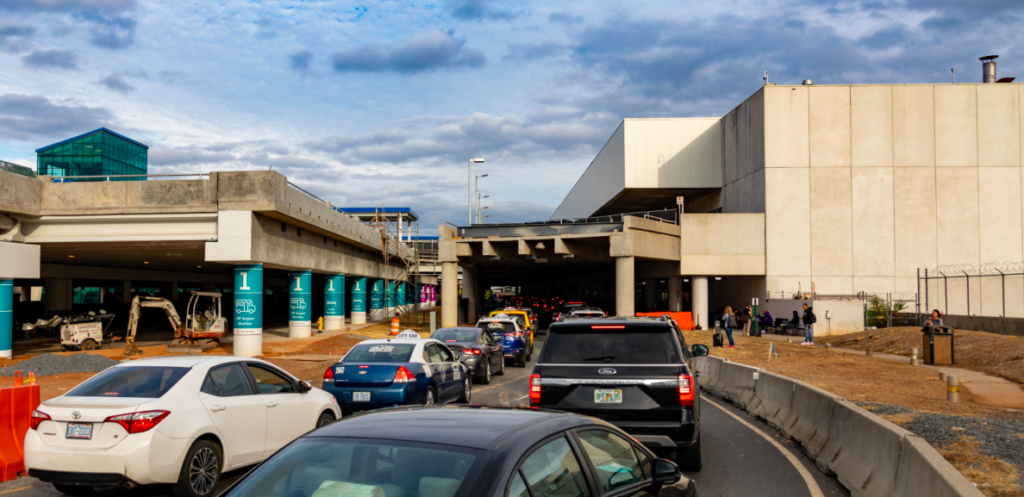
(201, 330)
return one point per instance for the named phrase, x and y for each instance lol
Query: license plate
(608, 396)
(360, 396)
(82, 431)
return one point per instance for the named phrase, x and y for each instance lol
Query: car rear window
(454, 335)
(500, 328)
(630, 345)
(148, 382)
(338, 467)
(380, 352)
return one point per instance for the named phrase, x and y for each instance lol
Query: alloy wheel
(202, 471)
(430, 398)
(469, 390)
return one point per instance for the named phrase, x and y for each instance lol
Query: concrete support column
(300, 303)
(700, 302)
(432, 297)
(26, 294)
(126, 291)
(469, 290)
(248, 315)
(391, 303)
(6, 317)
(675, 293)
(449, 294)
(400, 294)
(59, 295)
(174, 291)
(377, 300)
(651, 293)
(358, 291)
(625, 286)
(334, 302)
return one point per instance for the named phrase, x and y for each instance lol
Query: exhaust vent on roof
(988, 68)
(808, 82)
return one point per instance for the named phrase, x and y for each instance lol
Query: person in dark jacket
(792, 324)
(809, 320)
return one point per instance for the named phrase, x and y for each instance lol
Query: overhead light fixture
(71, 256)
(202, 266)
(145, 262)
(718, 278)
(686, 280)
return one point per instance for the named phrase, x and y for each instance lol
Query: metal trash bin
(938, 345)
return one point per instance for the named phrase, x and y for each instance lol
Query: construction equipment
(85, 331)
(201, 330)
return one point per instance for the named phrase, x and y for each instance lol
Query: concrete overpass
(223, 230)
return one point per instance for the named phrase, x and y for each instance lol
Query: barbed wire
(993, 268)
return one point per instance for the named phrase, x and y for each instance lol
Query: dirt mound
(997, 355)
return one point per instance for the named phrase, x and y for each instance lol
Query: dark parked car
(636, 373)
(462, 452)
(477, 348)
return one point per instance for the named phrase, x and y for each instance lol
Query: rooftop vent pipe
(808, 82)
(988, 68)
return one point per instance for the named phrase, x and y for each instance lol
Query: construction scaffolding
(392, 246)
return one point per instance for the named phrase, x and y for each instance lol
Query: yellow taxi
(528, 325)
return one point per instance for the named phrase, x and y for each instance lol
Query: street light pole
(469, 188)
(476, 189)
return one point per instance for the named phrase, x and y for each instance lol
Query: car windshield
(497, 328)
(629, 345)
(339, 467)
(380, 352)
(147, 382)
(455, 335)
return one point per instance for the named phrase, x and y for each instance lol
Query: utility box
(938, 346)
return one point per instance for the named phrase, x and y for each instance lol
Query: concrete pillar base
(625, 286)
(376, 314)
(299, 329)
(700, 302)
(358, 317)
(248, 345)
(334, 323)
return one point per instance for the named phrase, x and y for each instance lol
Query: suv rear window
(148, 382)
(631, 345)
(499, 328)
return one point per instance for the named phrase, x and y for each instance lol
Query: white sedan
(180, 420)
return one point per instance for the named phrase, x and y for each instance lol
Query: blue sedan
(512, 338)
(395, 372)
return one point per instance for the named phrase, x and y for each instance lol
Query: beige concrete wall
(744, 131)
(901, 177)
(600, 183)
(673, 153)
(722, 244)
(20, 195)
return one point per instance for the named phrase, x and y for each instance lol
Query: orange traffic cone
(31, 379)
(17, 378)
(395, 323)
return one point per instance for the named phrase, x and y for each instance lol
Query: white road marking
(812, 485)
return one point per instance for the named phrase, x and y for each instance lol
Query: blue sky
(366, 103)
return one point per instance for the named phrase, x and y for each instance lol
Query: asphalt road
(742, 455)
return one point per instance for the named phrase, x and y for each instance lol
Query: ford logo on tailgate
(606, 371)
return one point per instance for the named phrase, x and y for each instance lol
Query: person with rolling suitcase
(716, 337)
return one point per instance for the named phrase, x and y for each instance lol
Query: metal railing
(942, 276)
(314, 197)
(106, 177)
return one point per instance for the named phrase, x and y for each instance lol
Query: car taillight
(535, 388)
(404, 375)
(472, 351)
(138, 422)
(685, 390)
(38, 417)
(516, 334)
(329, 374)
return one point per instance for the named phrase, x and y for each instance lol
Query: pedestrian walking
(745, 318)
(728, 318)
(809, 320)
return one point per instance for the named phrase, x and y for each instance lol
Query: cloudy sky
(366, 103)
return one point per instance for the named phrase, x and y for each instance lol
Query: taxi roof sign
(408, 334)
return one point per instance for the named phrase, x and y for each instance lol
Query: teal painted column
(358, 292)
(391, 303)
(300, 303)
(334, 302)
(6, 317)
(248, 317)
(377, 300)
(400, 296)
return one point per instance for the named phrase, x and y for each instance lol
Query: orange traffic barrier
(395, 324)
(17, 378)
(31, 378)
(16, 406)
(683, 319)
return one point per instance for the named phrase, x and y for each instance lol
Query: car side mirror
(700, 349)
(666, 472)
(304, 386)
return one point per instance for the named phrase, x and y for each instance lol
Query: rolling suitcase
(718, 340)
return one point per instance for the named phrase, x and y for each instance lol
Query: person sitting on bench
(793, 324)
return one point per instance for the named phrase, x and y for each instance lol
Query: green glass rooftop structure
(97, 153)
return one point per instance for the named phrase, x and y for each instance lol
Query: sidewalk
(988, 390)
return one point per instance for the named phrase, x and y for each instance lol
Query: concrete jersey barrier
(869, 455)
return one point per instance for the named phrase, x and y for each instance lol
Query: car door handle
(218, 407)
(271, 404)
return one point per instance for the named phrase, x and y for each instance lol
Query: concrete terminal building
(835, 189)
(278, 253)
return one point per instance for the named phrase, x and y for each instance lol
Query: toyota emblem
(76, 415)
(606, 371)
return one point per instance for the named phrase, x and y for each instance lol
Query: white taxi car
(178, 420)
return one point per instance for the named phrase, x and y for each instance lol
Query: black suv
(635, 373)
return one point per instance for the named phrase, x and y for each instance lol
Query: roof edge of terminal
(98, 130)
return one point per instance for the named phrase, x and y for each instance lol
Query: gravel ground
(999, 438)
(51, 364)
